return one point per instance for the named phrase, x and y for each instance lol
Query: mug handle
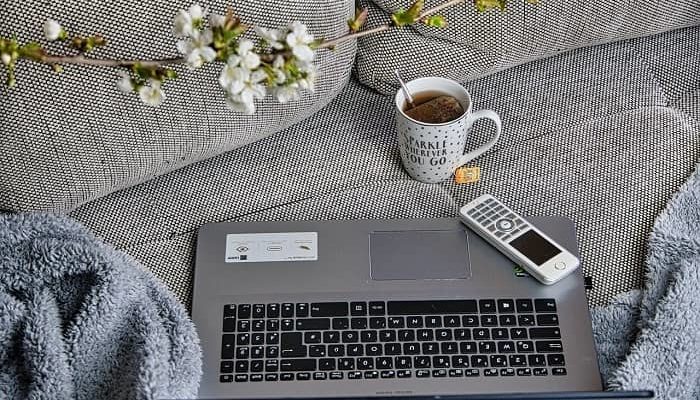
(470, 121)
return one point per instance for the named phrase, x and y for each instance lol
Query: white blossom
(53, 30)
(287, 93)
(244, 100)
(197, 51)
(124, 83)
(186, 22)
(278, 70)
(298, 40)
(6, 58)
(309, 81)
(233, 78)
(273, 37)
(216, 20)
(152, 94)
(248, 58)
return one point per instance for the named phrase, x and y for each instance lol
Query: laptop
(385, 308)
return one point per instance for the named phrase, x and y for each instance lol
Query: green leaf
(437, 21)
(32, 50)
(408, 17)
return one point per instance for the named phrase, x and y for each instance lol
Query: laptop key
(553, 359)
(242, 339)
(320, 376)
(302, 310)
(257, 352)
(241, 378)
(384, 363)
(273, 310)
(287, 324)
(271, 377)
(518, 333)
(355, 375)
(229, 324)
(433, 322)
(355, 350)
(226, 367)
(460, 361)
(545, 333)
(392, 349)
(517, 360)
(336, 350)
(273, 324)
(317, 350)
(340, 324)
(481, 334)
(377, 308)
(472, 372)
(377, 323)
(487, 306)
(387, 374)
(272, 338)
(539, 371)
(407, 335)
(451, 321)
(498, 361)
(335, 309)
(491, 372)
(258, 310)
(441, 362)
(411, 348)
(272, 365)
(499, 333)
(336, 375)
(467, 347)
(346, 364)
(371, 374)
(456, 373)
(257, 366)
(244, 311)
(326, 364)
(350, 336)
(479, 361)
(489, 320)
(287, 377)
(462, 334)
(387, 335)
(243, 325)
(294, 351)
(421, 362)
(423, 373)
(507, 372)
(257, 339)
(358, 308)
(414, 322)
(229, 310)
(258, 325)
(547, 319)
(548, 346)
(373, 349)
(287, 310)
(331, 337)
(523, 372)
(507, 320)
(365, 363)
(506, 347)
(242, 352)
(313, 324)
(312, 337)
(256, 377)
(525, 346)
(545, 305)
(449, 347)
(424, 334)
(431, 307)
(430, 348)
(505, 306)
(470, 321)
(439, 373)
(242, 366)
(523, 305)
(559, 371)
(299, 364)
(536, 360)
(403, 373)
(358, 323)
(443, 334)
(368, 336)
(526, 320)
(403, 362)
(228, 346)
(303, 376)
(396, 322)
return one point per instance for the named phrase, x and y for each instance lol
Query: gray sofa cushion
(603, 135)
(69, 138)
(474, 44)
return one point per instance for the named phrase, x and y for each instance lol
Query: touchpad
(410, 255)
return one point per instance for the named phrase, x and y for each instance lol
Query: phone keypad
(498, 219)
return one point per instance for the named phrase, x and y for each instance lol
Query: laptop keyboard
(390, 340)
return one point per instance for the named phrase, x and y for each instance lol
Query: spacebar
(298, 364)
(432, 307)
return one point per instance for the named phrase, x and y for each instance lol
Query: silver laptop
(383, 308)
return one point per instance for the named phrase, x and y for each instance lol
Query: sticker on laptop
(271, 247)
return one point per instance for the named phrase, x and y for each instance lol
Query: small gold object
(467, 175)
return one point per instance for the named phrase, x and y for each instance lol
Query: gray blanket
(81, 320)
(649, 339)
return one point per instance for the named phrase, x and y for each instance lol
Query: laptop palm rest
(419, 255)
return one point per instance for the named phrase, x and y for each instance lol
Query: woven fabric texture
(70, 138)
(603, 135)
(476, 44)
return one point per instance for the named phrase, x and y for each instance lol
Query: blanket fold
(80, 320)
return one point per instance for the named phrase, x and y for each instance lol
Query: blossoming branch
(279, 61)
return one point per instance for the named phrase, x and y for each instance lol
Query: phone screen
(533, 246)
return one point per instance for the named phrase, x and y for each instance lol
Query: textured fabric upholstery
(70, 138)
(603, 135)
(476, 44)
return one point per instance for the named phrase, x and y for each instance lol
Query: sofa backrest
(71, 137)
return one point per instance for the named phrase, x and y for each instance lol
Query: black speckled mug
(431, 152)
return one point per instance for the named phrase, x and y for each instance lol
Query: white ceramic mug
(431, 152)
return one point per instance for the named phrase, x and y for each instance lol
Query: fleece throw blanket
(80, 320)
(650, 339)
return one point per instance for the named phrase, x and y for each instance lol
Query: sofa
(600, 105)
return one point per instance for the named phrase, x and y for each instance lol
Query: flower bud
(53, 30)
(6, 58)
